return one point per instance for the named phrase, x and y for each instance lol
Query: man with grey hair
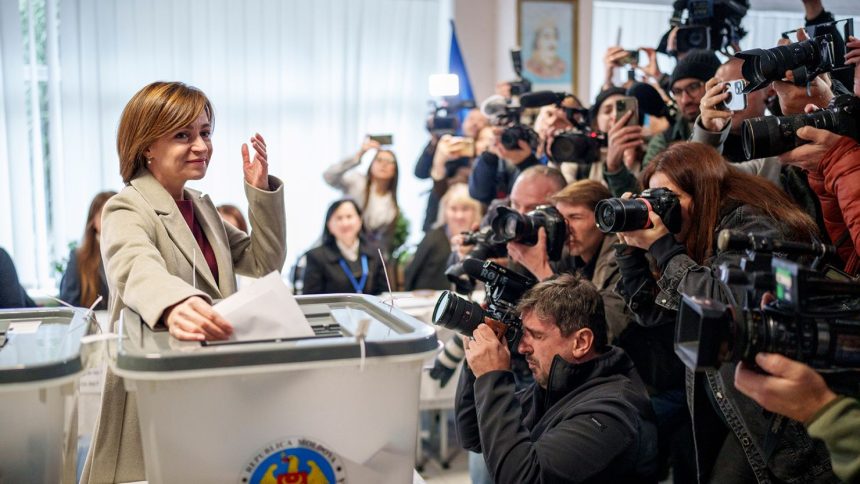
(587, 417)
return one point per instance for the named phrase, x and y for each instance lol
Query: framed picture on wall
(546, 30)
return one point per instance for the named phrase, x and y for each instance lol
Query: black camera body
(709, 25)
(619, 215)
(773, 135)
(444, 120)
(815, 319)
(504, 289)
(580, 146)
(511, 226)
(805, 59)
(515, 132)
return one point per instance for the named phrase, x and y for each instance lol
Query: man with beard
(687, 86)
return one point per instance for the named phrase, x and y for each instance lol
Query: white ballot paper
(264, 310)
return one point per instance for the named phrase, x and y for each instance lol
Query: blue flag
(456, 65)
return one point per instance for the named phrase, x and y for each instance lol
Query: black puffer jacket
(593, 423)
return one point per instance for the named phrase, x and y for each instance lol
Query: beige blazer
(149, 254)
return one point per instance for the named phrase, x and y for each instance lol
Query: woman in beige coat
(167, 253)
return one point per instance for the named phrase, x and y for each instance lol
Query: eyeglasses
(691, 89)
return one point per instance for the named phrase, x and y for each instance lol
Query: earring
(149, 161)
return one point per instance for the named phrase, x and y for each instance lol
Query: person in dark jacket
(735, 440)
(344, 262)
(586, 418)
(85, 280)
(12, 295)
(460, 213)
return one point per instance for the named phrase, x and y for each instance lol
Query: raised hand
(256, 169)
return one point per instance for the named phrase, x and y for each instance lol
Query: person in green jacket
(798, 392)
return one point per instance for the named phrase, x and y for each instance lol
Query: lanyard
(357, 285)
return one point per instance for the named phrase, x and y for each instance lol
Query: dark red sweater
(187, 209)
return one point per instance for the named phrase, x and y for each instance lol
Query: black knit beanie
(697, 64)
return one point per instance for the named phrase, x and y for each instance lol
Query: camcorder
(581, 144)
(709, 24)
(507, 113)
(443, 118)
(504, 289)
(815, 318)
(625, 215)
(510, 226)
(773, 135)
(824, 52)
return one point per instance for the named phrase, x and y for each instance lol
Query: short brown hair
(582, 192)
(571, 302)
(156, 110)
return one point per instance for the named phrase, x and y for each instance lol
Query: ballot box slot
(325, 330)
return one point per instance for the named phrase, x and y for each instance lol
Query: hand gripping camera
(504, 289)
(625, 215)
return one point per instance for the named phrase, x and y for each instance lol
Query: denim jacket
(776, 449)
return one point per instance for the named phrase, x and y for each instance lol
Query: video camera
(507, 113)
(773, 135)
(504, 288)
(710, 25)
(824, 52)
(815, 319)
(444, 118)
(582, 144)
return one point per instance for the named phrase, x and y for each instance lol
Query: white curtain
(644, 25)
(312, 76)
(22, 231)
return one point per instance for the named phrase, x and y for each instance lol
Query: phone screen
(383, 139)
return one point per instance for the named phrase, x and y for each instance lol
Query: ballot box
(40, 363)
(329, 408)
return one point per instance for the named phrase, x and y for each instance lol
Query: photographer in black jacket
(587, 417)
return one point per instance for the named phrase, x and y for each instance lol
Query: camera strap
(357, 285)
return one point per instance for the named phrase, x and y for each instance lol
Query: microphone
(734, 240)
(541, 98)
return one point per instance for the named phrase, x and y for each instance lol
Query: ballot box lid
(333, 317)
(42, 343)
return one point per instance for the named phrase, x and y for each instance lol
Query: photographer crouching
(586, 418)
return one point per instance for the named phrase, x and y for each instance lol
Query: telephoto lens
(457, 314)
(805, 59)
(773, 135)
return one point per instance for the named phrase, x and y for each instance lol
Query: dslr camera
(581, 144)
(815, 318)
(805, 59)
(504, 289)
(511, 226)
(624, 215)
(773, 135)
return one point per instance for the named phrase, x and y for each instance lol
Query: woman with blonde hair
(167, 253)
(84, 280)
(458, 213)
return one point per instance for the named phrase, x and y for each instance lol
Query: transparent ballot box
(40, 363)
(328, 408)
